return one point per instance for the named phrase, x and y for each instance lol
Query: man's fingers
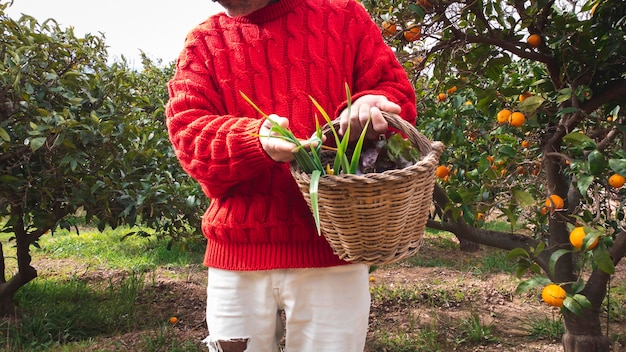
(378, 123)
(389, 107)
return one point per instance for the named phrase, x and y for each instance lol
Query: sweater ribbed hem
(264, 256)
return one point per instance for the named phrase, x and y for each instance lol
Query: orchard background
(528, 97)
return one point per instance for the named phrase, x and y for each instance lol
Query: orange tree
(528, 96)
(80, 135)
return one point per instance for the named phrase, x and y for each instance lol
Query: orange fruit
(525, 144)
(553, 295)
(442, 171)
(412, 34)
(617, 181)
(577, 236)
(442, 96)
(534, 40)
(490, 158)
(425, 4)
(503, 116)
(480, 216)
(525, 95)
(544, 210)
(517, 119)
(451, 90)
(555, 202)
(389, 28)
(173, 320)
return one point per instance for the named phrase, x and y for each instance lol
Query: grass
(117, 249)
(435, 313)
(51, 319)
(474, 331)
(546, 328)
(488, 261)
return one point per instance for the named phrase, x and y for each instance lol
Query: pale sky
(156, 27)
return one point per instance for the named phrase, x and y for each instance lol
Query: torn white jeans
(326, 309)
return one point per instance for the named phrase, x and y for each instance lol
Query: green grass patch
(118, 250)
(60, 311)
(474, 331)
(428, 337)
(546, 328)
(70, 311)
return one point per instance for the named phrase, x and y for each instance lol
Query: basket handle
(417, 139)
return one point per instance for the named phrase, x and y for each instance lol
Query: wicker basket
(377, 218)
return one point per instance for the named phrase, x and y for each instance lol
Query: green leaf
(531, 283)
(566, 111)
(516, 253)
(597, 162)
(249, 101)
(4, 135)
(356, 155)
(603, 260)
(37, 142)
(578, 286)
(524, 198)
(573, 306)
(583, 182)
(577, 139)
(583, 301)
(313, 193)
(530, 104)
(507, 150)
(555, 257)
(618, 165)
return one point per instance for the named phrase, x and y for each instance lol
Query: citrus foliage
(80, 135)
(563, 67)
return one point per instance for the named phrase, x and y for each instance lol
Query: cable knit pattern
(278, 56)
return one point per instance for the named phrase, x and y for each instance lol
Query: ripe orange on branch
(425, 4)
(412, 34)
(525, 95)
(503, 116)
(442, 171)
(577, 236)
(534, 40)
(442, 96)
(517, 119)
(389, 28)
(553, 295)
(617, 181)
(555, 202)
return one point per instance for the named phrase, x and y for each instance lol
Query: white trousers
(326, 309)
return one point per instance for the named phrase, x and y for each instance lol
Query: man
(263, 251)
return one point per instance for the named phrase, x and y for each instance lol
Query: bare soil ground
(443, 298)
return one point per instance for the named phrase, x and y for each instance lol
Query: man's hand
(360, 112)
(277, 148)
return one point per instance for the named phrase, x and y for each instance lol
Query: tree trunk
(468, 246)
(25, 272)
(583, 333)
(9, 288)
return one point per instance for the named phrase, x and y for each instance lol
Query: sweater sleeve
(217, 149)
(377, 70)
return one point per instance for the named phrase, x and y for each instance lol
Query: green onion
(308, 157)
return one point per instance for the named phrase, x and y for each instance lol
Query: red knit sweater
(278, 56)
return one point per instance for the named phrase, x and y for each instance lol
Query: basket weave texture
(377, 218)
